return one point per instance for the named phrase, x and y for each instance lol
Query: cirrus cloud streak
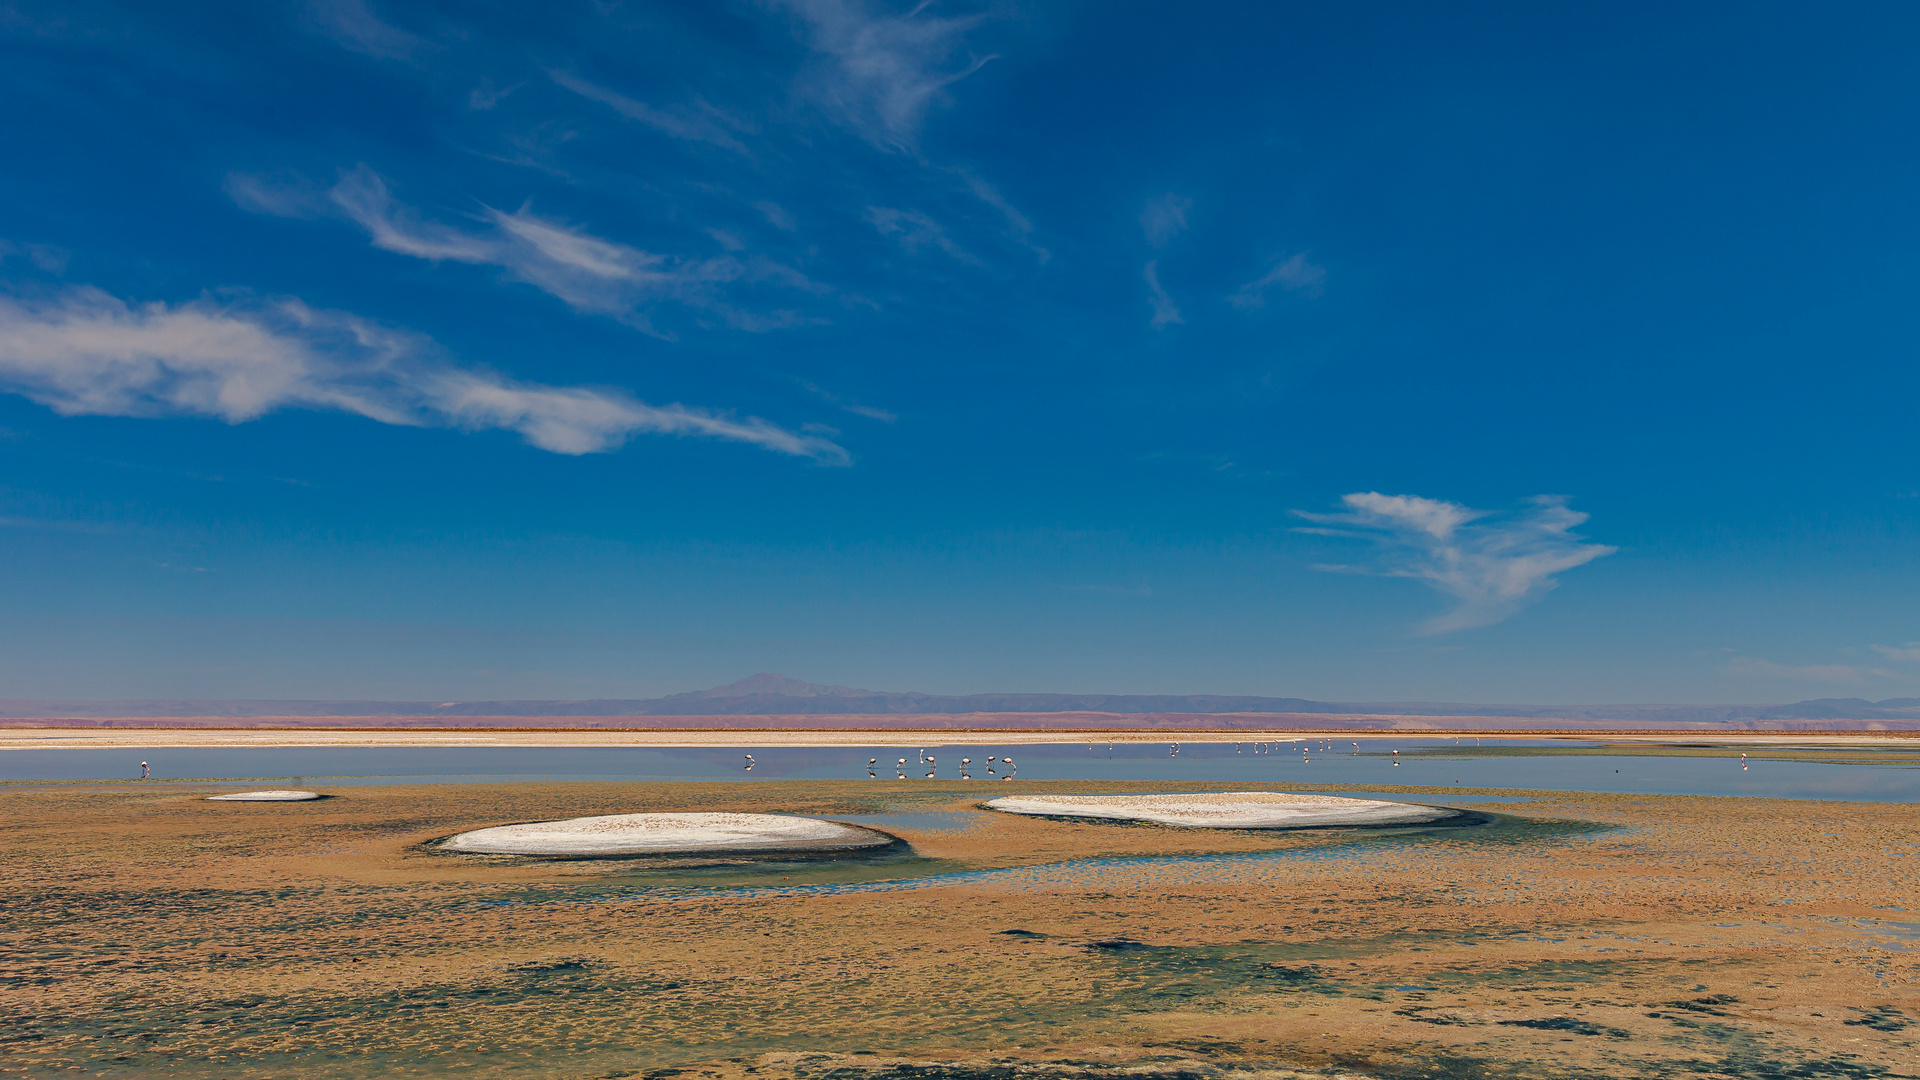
(878, 72)
(1491, 564)
(590, 274)
(84, 352)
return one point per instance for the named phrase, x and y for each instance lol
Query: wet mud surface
(147, 932)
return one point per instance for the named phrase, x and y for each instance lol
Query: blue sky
(358, 348)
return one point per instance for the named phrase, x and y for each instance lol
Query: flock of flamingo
(926, 760)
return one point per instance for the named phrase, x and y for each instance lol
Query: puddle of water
(930, 821)
(1901, 934)
(1135, 872)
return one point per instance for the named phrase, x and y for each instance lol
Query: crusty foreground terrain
(146, 932)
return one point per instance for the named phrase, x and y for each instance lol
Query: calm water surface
(1890, 775)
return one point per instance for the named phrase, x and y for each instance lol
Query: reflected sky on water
(1891, 774)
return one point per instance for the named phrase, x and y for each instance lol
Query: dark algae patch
(1882, 1018)
(1567, 1023)
(1116, 945)
(1283, 975)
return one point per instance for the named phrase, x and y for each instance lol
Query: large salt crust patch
(1226, 810)
(648, 834)
(264, 796)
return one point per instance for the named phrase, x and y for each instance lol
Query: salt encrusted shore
(265, 796)
(1226, 810)
(664, 834)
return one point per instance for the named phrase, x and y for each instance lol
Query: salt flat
(1226, 809)
(265, 796)
(1581, 935)
(647, 834)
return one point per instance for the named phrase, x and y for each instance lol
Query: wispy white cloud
(1490, 564)
(353, 25)
(44, 257)
(1164, 218)
(916, 230)
(700, 122)
(1017, 222)
(1905, 654)
(1295, 274)
(1165, 311)
(1824, 673)
(587, 272)
(777, 216)
(286, 194)
(362, 195)
(879, 72)
(870, 412)
(486, 95)
(85, 352)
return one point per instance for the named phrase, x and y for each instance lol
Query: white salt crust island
(1226, 810)
(265, 796)
(667, 834)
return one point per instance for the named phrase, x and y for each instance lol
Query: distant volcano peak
(768, 683)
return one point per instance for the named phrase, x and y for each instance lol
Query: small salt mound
(1226, 810)
(264, 796)
(659, 834)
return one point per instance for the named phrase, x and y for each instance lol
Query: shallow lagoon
(1890, 774)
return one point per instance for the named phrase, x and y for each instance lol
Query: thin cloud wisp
(879, 73)
(85, 352)
(1491, 564)
(588, 273)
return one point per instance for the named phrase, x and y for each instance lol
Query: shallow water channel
(904, 870)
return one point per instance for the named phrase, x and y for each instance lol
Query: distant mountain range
(777, 695)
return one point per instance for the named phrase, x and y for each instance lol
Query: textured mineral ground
(146, 932)
(279, 795)
(1226, 809)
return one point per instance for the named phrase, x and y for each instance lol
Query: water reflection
(1890, 774)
